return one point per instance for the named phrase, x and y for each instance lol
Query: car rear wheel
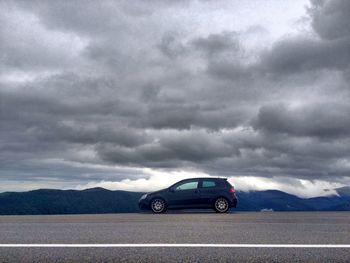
(158, 205)
(221, 205)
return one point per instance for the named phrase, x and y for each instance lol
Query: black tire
(158, 205)
(221, 205)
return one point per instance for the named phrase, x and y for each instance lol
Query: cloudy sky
(136, 95)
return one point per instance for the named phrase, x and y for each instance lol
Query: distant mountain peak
(95, 189)
(343, 191)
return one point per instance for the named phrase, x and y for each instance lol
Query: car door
(208, 191)
(184, 194)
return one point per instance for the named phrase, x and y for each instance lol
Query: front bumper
(144, 204)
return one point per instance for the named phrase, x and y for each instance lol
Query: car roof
(205, 178)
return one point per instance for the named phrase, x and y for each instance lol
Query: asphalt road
(177, 228)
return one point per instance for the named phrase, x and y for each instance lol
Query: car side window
(207, 184)
(187, 186)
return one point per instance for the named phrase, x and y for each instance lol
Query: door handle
(197, 191)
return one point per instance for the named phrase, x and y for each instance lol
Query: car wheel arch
(158, 197)
(217, 197)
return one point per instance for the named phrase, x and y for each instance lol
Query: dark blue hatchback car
(216, 193)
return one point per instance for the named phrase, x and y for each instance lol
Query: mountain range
(100, 200)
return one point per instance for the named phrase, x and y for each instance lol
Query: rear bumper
(233, 201)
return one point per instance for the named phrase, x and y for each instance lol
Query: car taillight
(232, 190)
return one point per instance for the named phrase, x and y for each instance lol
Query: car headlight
(143, 197)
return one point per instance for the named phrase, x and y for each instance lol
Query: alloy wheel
(221, 205)
(158, 205)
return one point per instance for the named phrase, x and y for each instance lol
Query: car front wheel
(158, 205)
(221, 205)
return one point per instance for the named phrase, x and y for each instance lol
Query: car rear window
(206, 184)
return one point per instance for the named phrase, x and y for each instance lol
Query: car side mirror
(172, 189)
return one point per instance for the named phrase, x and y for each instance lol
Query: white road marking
(179, 245)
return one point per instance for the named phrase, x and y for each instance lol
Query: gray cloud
(330, 19)
(171, 46)
(321, 121)
(302, 55)
(217, 43)
(101, 90)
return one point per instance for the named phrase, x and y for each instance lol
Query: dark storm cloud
(225, 56)
(302, 55)
(330, 19)
(122, 87)
(172, 148)
(171, 46)
(217, 43)
(322, 121)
